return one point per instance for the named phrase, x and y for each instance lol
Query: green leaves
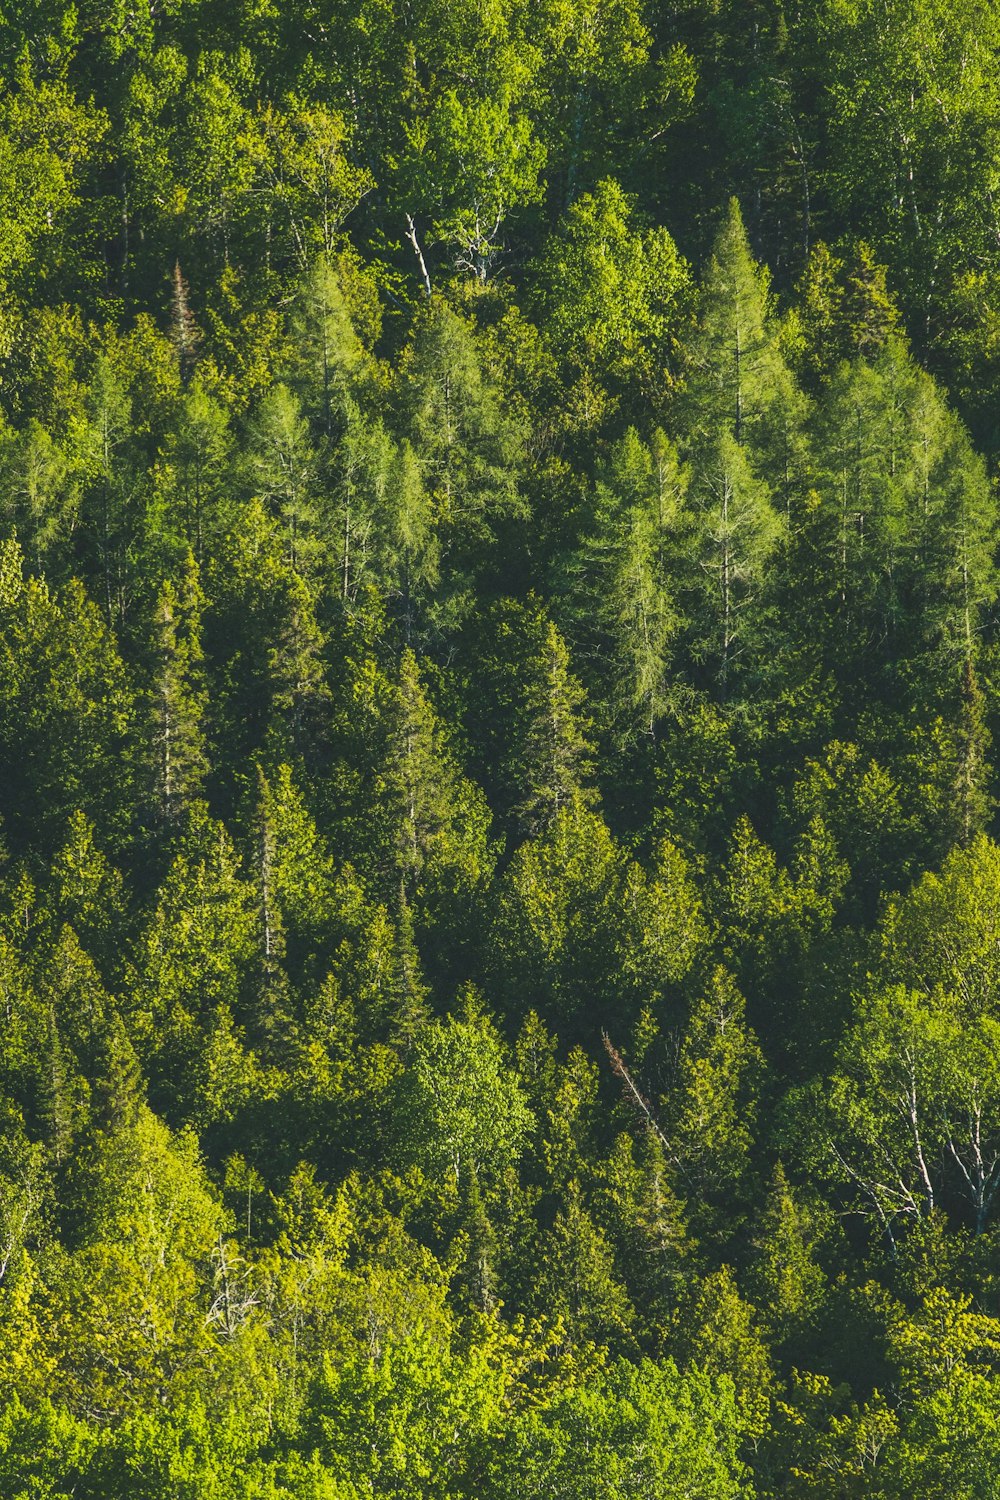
(462, 1112)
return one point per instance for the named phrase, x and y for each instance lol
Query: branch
(411, 235)
(635, 1097)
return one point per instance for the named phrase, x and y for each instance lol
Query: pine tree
(420, 777)
(328, 353)
(273, 1020)
(177, 698)
(555, 764)
(738, 534)
(408, 992)
(734, 364)
(284, 467)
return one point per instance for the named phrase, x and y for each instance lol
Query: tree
(585, 932)
(739, 532)
(198, 451)
(735, 369)
(111, 484)
(915, 1108)
(177, 698)
(193, 956)
(710, 1113)
(130, 1291)
(67, 706)
(788, 1280)
(718, 1334)
(461, 1111)
(623, 592)
(613, 295)
(630, 1427)
(283, 464)
(329, 354)
(467, 449)
(578, 1281)
(470, 162)
(407, 540)
(435, 813)
(42, 499)
(555, 763)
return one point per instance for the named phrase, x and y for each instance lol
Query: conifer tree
(86, 892)
(972, 800)
(41, 495)
(177, 698)
(467, 448)
(434, 812)
(408, 538)
(328, 352)
(272, 999)
(119, 1093)
(59, 1093)
(408, 992)
(788, 1282)
(199, 448)
(738, 534)
(284, 468)
(623, 586)
(479, 1271)
(579, 1281)
(111, 484)
(555, 764)
(296, 672)
(361, 467)
(734, 363)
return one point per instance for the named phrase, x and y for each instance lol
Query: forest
(499, 730)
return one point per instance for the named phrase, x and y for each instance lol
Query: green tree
(283, 465)
(462, 1113)
(739, 532)
(644, 1426)
(178, 698)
